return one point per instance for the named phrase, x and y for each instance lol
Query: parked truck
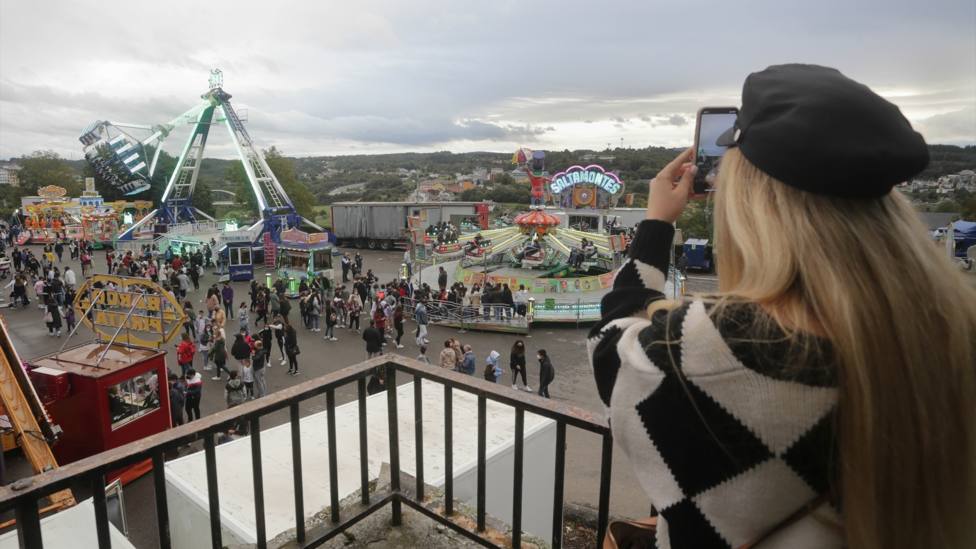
(383, 225)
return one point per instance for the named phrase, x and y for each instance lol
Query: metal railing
(469, 316)
(23, 496)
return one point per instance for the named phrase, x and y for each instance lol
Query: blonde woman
(824, 397)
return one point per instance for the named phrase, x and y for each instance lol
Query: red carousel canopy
(536, 218)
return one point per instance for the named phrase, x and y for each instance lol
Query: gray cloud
(423, 75)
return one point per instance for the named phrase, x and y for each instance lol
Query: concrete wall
(538, 480)
(187, 484)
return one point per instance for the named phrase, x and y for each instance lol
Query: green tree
(947, 206)
(284, 170)
(42, 168)
(696, 221)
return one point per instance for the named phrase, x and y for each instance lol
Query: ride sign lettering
(593, 175)
(128, 310)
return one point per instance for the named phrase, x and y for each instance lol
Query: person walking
(355, 307)
(441, 279)
(314, 312)
(278, 330)
(447, 359)
(204, 341)
(331, 318)
(493, 370)
(422, 357)
(374, 340)
(422, 318)
(194, 393)
(346, 264)
(177, 398)
(469, 362)
(258, 362)
(52, 316)
(398, 324)
(516, 362)
(291, 348)
(227, 294)
(241, 349)
(547, 372)
(243, 317)
(70, 280)
(235, 393)
(184, 353)
(218, 352)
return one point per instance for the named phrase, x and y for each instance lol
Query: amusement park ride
(536, 240)
(120, 158)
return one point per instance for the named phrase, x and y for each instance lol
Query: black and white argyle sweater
(728, 436)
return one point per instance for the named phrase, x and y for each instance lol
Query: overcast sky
(359, 76)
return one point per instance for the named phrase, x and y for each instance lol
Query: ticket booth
(112, 391)
(103, 397)
(239, 261)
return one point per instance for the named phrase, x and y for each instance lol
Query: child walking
(243, 317)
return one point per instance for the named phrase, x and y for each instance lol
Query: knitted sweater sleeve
(727, 434)
(639, 282)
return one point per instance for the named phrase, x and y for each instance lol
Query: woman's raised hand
(670, 189)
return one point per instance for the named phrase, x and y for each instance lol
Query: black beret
(813, 128)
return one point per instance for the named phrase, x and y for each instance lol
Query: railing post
(297, 473)
(448, 451)
(517, 481)
(162, 511)
(482, 435)
(363, 449)
(210, 456)
(418, 422)
(28, 524)
(391, 405)
(330, 406)
(604, 509)
(557, 489)
(258, 477)
(101, 511)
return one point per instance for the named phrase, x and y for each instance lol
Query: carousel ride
(566, 271)
(536, 241)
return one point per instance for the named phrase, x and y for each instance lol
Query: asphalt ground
(564, 343)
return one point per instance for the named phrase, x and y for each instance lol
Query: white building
(8, 174)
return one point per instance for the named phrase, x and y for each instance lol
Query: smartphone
(712, 122)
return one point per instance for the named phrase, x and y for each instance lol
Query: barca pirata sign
(133, 311)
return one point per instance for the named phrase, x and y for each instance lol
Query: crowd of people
(265, 319)
(461, 358)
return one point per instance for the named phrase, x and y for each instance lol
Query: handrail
(23, 495)
(50, 481)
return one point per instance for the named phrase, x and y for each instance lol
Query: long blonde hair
(902, 323)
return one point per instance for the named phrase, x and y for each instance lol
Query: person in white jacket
(69, 278)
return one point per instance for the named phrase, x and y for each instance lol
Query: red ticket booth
(103, 402)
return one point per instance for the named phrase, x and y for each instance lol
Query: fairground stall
(113, 390)
(52, 214)
(48, 216)
(303, 256)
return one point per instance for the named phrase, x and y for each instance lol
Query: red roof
(536, 218)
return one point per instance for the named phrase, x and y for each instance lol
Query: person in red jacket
(184, 353)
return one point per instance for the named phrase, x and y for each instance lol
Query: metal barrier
(23, 496)
(491, 316)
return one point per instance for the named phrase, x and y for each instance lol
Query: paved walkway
(565, 345)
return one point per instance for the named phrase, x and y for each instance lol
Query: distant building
(8, 175)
